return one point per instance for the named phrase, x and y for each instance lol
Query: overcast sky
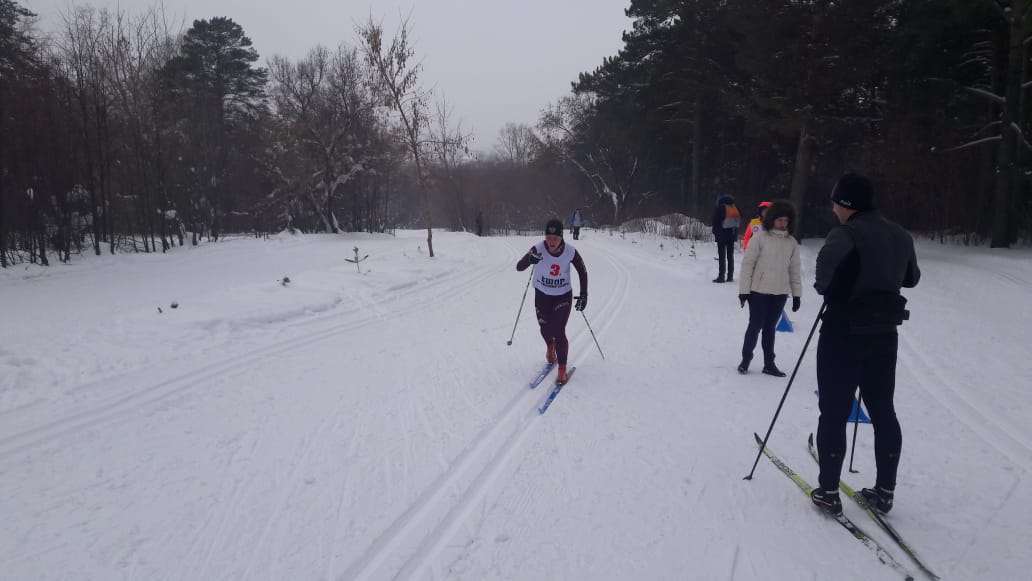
(496, 61)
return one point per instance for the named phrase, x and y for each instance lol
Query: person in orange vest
(724, 226)
(755, 225)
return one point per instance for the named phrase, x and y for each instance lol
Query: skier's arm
(748, 266)
(582, 272)
(717, 222)
(526, 260)
(795, 273)
(913, 274)
(837, 246)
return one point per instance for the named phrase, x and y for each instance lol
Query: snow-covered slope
(375, 425)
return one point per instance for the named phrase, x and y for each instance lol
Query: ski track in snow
(318, 330)
(432, 523)
(946, 389)
(452, 511)
(990, 427)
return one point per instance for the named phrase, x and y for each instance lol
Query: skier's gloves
(796, 301)
(533, 257)
(582, 301)
(743, 299)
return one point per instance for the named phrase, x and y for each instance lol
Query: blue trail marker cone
(784, 325)
(857, 409)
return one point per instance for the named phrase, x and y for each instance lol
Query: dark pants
(726, 258)
(553, 312)
(576, 232)
(845, 362)
(764, 311)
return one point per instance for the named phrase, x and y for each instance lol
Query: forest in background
(126, 132)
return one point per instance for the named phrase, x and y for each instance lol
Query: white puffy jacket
(771, 265)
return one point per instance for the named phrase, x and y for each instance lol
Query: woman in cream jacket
(770, 272)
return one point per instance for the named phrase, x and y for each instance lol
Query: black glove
(796, 301)
(743, 299)
(582, 301)
(533, 257)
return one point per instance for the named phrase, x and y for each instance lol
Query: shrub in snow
(356, 260)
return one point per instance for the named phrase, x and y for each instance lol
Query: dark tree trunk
(801, 175)
(1005, 177)
(697, 153)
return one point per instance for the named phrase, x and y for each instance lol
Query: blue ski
(542, 375)
(555, 391)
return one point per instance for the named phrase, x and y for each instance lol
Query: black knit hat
(853, 191)
(554, 227)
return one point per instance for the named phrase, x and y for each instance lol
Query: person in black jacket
(724, 226)
(860, 269)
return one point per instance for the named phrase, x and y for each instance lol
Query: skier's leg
(775, 306)
(877, 388)
(757, 313)
(837, 374)
(560, 316)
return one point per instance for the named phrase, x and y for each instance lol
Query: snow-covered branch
(968, 144)
(985, 93)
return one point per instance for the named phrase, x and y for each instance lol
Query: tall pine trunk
(1005, 176)
(697, 152)
(801, 174)
(3, 196)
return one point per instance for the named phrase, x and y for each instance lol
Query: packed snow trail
(377, 426)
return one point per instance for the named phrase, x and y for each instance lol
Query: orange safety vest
(755, 225)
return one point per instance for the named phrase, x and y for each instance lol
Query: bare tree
(450, 147)
(396, 81)
(609, 165)
(516, 143)
(80, 49)
(328, 114)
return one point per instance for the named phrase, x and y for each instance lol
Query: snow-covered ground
(375, 425)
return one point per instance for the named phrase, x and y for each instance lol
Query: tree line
(778, 98)
(122, 132)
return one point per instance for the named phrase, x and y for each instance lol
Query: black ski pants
(726, 258)
(845, 362)
(553, 312)
(764, 312)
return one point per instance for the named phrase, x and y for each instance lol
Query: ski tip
(810, 440)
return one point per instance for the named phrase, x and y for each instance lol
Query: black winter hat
(779, 209)
(554, 227)
(853, 191)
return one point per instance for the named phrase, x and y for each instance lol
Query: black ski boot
(719, 279)
(743, 367)
(827, 500)
(771, 369)
(878, 498)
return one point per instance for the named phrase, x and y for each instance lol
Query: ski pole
(592, 334)
(784, 395)
(523, 300)
(856, 423)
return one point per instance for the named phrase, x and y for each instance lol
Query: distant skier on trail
(860, 269)
(576, 222)
(553, 290)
